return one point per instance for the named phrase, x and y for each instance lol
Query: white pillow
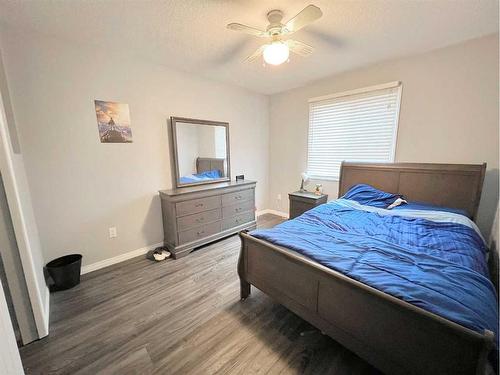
(396, 203)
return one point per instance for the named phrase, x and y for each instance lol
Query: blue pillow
(369, 196)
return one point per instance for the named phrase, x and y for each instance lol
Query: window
(359, 125)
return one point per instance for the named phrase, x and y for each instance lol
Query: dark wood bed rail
(393, 335)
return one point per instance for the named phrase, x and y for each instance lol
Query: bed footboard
(392, 335)
(245, 286)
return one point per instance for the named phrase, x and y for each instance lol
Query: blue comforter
(433, 260)
(203, 176)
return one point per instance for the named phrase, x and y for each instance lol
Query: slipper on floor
(159, 256)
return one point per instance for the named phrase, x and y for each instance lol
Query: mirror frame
(173, 124)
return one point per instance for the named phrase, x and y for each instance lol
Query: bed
(206, 169)
(392, 334)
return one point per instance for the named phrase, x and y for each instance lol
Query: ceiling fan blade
(247, 29)
(256, 54)
(299, 48)
(309, 14)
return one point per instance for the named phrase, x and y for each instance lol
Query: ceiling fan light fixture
(276, 53)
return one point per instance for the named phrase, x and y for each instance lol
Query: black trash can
(65, 271)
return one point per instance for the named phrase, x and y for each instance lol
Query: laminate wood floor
(181, 317)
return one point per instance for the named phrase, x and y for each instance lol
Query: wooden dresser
(194, 216)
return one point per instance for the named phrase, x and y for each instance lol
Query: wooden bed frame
(391, 334)
(210, 164)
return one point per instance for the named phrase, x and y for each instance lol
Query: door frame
(22, 216)
(10, 360)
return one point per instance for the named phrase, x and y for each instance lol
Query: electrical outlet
(279, 197)
(112, 232)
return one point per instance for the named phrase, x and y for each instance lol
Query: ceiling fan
(278, 50)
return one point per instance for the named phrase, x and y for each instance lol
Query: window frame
(395, 84)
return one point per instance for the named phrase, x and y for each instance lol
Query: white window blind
(359, 125)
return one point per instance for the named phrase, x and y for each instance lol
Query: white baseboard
(135, 253)
(274, 212)
(119, 258)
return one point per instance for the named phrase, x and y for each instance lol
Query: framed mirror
(201, 151)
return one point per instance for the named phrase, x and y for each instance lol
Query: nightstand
(301, 202)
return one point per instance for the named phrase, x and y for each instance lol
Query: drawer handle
(200, 219)
(237, 197)
(238, 209)
(198, 205)
(237, 221)
(200, 233)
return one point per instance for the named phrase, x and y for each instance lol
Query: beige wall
(449, 114)
(187, 137)
(81, 187)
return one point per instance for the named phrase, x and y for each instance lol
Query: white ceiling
(191, 35)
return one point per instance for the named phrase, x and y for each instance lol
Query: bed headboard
(210, 164)
(449, 185)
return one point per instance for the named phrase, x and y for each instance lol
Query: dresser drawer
(191, 221)
(239, 196)
(239, 208)
(197, 205)
(199, 232)
(238, 220)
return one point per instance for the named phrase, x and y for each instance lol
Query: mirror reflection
(202, 152)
